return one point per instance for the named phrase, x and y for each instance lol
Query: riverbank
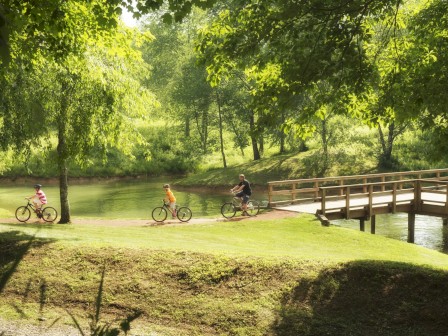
(259, 172)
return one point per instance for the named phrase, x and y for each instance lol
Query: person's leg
(244, 204)
(37, 205)
(173, 209)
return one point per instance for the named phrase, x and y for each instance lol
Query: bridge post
(347, 202)
(411, 226)
(417, 195)
(372, 224)
(362, 224)
(323, 201)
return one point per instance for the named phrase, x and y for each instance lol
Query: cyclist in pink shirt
(39, 197)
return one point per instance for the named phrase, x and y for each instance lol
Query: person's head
(166, 186)
(37, 186)
(242, 177)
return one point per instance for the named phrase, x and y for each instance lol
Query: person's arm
(237, 188)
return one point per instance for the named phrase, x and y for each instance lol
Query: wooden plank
(411, 227)
(324, 220)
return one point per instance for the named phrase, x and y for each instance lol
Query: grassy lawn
(275, 277)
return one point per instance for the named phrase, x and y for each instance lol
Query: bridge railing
(421, 194)
(307, 190)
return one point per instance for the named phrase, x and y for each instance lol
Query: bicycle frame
(237, 202)
(168, 208)
(31, 206)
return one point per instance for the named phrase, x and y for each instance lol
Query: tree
(53, 21)
(422, 80)
(291, 44)
(85, 101)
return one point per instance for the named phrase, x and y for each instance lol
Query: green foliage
(62, 24)
(281, 72)
(290, 44)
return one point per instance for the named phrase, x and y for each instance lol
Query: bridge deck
(362, 201)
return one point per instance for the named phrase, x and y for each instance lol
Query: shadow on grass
(98, 328)
(14, 245)
(367, 298)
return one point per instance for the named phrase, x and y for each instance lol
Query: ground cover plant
(254, 277)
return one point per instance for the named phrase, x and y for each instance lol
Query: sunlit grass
(243, 277)
(301, 238)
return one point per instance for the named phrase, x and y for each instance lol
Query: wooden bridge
(362, 197)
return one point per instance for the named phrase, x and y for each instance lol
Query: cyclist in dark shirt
(244, 191)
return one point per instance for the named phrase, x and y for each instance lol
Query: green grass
(274, 168)
(278, 167)
(300, 238)
(282, 277)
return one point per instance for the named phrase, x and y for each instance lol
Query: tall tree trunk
(62, 163)
(282, 135)
(63, 191)
(187, 126)
(386, 146)
(205, 131)
(282, 143)
(253, 138)
(221, 138)
(325, 140)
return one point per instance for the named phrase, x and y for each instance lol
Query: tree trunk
(187, 126)
(282, 135)
(385, 160)
(253, 138)
(325, 140)
(62, 164)
(63, 193)
(282, 143)
(221, 138)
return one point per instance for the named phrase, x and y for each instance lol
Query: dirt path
(263, 215)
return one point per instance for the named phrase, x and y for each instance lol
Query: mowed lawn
(280, 277)
(301, 238)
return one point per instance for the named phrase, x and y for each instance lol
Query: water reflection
(131, 198)
(429, 231)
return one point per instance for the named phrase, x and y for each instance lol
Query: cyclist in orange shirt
(170, 199)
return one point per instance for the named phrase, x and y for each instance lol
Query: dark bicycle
(183, 213)
(23, 213)
(229, 209)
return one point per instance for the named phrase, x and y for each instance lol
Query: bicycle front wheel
(49, 214)
(159, 214)
(253, 207)
(184, 214)
(23, 214)
(228, 210)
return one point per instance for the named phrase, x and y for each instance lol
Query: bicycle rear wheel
(228, 210)
(253, 207)
(184, 214)
(49, 214)
(159, 214)
(23, 214)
